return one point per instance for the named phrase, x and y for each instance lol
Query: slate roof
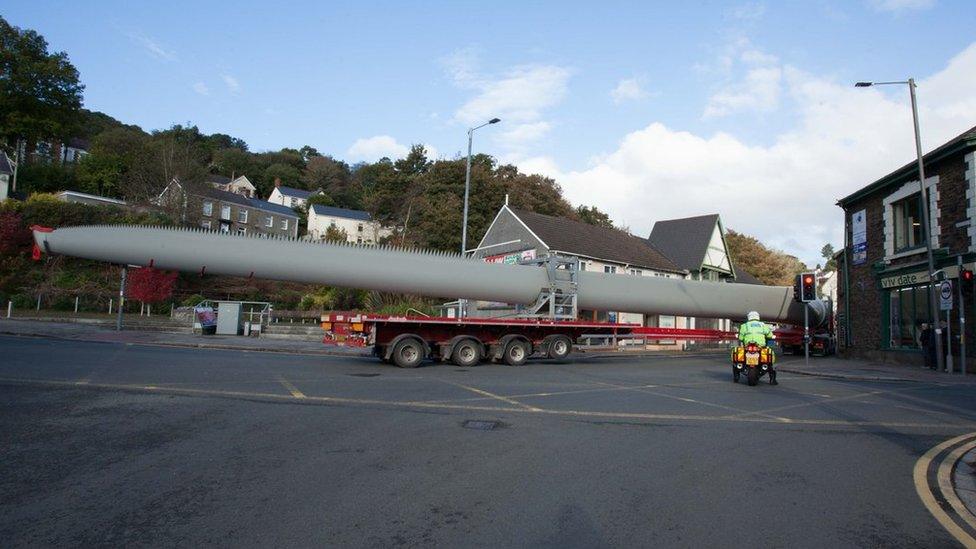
(5, 166)
(742, 277)
(360, 215)
(577, 238)
(227, 196)
(684, 241)
(295, 193)
(218, 179)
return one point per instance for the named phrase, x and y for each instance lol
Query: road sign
(945, 295)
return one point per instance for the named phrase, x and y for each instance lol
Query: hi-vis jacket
(755, 331)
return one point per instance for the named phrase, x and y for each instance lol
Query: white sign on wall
(859, 237)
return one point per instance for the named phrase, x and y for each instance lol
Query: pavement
(114, 443)
(88, 332)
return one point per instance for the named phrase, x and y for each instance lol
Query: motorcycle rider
(756, 331)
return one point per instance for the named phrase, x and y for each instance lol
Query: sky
(647, 110)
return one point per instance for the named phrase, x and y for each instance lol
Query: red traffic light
(809, 279)
(966, 275)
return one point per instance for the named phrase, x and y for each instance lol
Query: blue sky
(581, 87)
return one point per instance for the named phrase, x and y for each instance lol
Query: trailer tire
(467, 352)
(559, 347)
(516, 352)
(408, 353)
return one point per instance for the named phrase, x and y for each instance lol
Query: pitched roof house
(696, 244)
(357, 224)
(216, 209)
(290, 196)
(240, 185)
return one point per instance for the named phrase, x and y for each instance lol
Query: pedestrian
(946, 351)
(927, 343)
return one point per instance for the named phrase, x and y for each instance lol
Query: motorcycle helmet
(753, 315)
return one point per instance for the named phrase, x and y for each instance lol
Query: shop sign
(512, 258)
(920, 277)
(859, 237)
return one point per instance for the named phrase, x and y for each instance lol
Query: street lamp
(467, 191)
(927, 225)
(467, 185)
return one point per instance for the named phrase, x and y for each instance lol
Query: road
(111, 444)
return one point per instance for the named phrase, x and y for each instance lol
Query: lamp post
(467, 185)
(926, 222)
(467, 191)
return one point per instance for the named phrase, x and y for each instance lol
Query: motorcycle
(754, 361)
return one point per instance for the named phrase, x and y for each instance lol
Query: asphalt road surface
(109, 444)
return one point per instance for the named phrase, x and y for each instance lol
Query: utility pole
(118, 320)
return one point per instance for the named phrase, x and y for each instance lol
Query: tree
(336, 234)
(827, 252)
(40, 92)
(326, 173)
(768, 265)
(321, 199)
(112, 155)
(308, 152)
(150, 285)
(593, 216)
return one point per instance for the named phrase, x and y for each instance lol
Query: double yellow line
(941, 497)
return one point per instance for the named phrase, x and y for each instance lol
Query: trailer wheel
(467, 352)
(516, 352)
(408, 353)
(560, 347)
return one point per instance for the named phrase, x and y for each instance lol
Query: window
(225, 212)
(224, 228)
(359, 240)
(242, 216)
(360, 228)
(207, 208)
(269, 221)
(611, 269)
(242, 231)
(205, 224)
(636, 272)
(284, 224)
(582, 265)
(907, 218)
(908, 308)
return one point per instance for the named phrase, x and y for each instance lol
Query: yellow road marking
(492, 395)
(646, 416)
(944, 477)
(291, 388)
(925, 492)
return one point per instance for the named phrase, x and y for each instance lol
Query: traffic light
(805, 287)
(966, 275)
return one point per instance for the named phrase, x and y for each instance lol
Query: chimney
(277, 182)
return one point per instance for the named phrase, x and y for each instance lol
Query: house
(697, 245)
(240, 185)
(883, 290)
(6, 176)
(90, 199)
(357, 224)
(516, 235)
(55, 150)
(218, 210)
(290, 196)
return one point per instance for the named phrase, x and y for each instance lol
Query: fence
(83, 305)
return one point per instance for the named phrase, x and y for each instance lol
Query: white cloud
(783, 193)
(519, 96)
(201, 88)
(373, 148)
(628, 89)
(232, 84)
(899, 6)
(152, 47)
(749, 11)
(760, 89)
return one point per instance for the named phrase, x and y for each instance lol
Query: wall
(371, 232)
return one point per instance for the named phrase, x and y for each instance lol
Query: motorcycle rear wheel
(753, 376)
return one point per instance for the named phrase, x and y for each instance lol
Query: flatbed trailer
(409, 340)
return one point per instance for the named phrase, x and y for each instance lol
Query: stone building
(882, 298)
